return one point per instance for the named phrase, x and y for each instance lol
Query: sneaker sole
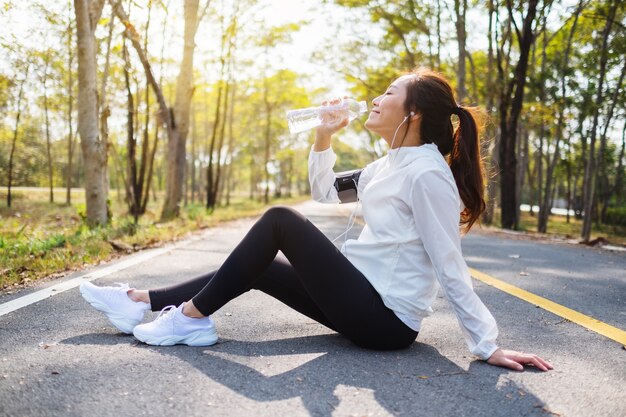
(119, 321)
(199, 338)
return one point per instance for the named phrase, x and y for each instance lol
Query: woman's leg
(279, 281)
(340, 291)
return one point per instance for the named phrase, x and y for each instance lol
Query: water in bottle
(304, 119)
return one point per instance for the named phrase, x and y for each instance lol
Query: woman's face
(388, 110)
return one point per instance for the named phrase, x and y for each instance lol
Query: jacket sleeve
(322, 177)
(435, 205)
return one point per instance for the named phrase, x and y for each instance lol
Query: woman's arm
(436, 212)
(322, 160)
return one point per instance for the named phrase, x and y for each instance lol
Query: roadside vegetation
(40, 239)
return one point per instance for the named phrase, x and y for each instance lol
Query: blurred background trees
(186, 100)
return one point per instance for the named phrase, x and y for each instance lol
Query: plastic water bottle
(300, 120)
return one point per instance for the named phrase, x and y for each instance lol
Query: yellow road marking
(590, 323)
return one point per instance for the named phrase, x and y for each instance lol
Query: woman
(377, 289)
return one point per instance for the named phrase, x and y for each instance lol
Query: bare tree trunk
(267, 142)
(544, 210)
(604, 190)
(438, 35)
(460, 7)
(194, 156)
(15, 135)
(132, 198)
(70, 104)
(213, 174)
(510, 108)
(590, 174)
(490, 148)
(145, 142)
(47, 123)
(231, 140)
(184, 91)
(219, 182)
(94, 150)
(149, 183)
(522, 157)
(544, 215)
(173, 189)
(105, 111)
(619, 176)
(210, 185)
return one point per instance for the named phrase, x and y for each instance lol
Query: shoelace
(166, 313)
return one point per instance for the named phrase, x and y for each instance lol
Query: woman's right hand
(332, 122)
(516, 360)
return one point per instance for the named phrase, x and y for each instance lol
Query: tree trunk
(510, 108)
(184, 91)
(231, 140)
(619, 176)
(70, 104)
(604, 189)
(544, 215)
(47, 123)
(105, 111)
(590, 174)
(93, 149)
(15, 135)
(194, 156)
(544, 210)
(132, 198)
(489, 148)
(522, 156)
(173, 186)
(267, 141)
(460, 7)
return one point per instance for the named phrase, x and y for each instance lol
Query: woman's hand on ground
(516, 360)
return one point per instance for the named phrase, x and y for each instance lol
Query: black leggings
(316, 279)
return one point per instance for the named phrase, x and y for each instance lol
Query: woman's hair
(430, 95)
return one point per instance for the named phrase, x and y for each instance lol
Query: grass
(40, 239)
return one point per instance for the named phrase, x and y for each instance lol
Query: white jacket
(411, 242)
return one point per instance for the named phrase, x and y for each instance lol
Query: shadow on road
(326, 370)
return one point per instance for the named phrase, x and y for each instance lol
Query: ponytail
(467, 167)
(430, 94)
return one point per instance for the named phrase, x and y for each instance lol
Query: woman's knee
(282, 213)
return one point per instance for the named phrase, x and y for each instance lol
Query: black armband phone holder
(346, 185)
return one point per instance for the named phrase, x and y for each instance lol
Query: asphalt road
(59, 357)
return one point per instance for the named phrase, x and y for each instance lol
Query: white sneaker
(172, 327)
(114, 302)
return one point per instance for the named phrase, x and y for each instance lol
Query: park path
(58, 357)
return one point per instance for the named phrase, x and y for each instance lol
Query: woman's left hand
(516, 360)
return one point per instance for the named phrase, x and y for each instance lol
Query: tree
(590, 172)
(510, 107)
(460, 10)
(176, 129)
(18, 114)
(94, 150)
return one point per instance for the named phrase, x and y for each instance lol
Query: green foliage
(616, 216)
(38, 239)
